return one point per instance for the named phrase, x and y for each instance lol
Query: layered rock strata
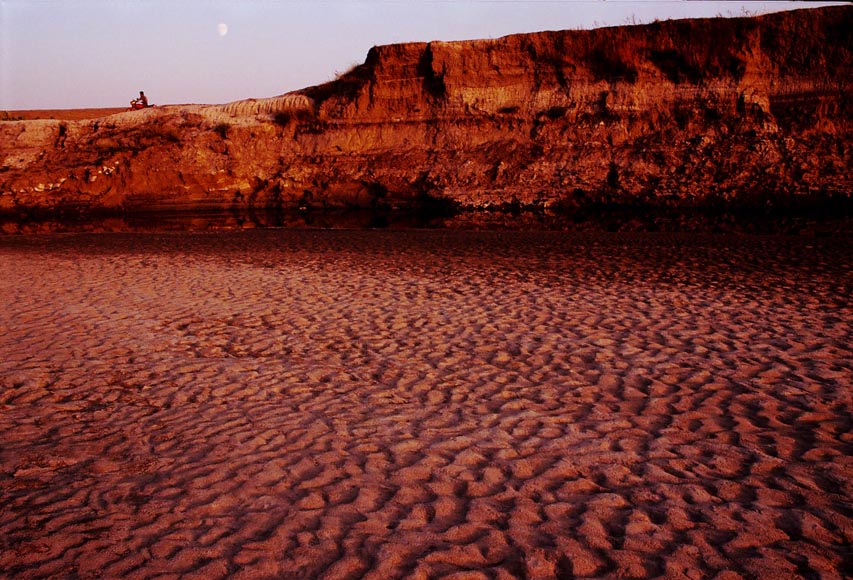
(733, 113)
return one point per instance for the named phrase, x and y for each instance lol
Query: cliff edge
(739, 113)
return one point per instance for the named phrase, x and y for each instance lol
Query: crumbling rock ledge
(716, 114)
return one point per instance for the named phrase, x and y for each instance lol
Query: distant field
(59, 114)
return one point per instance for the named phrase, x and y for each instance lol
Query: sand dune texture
(336, 405)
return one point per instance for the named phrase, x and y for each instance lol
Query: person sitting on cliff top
(140, 103)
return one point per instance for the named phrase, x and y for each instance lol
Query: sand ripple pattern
(379, 405)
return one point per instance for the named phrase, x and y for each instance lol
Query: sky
(58, 54)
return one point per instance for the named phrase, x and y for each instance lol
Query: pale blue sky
(100, 53)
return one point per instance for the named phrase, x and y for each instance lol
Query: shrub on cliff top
(346, 84)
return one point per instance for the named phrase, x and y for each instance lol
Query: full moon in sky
(222, 29)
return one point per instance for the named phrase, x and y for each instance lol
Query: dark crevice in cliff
(433, 82)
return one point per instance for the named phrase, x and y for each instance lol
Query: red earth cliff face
(731, 113)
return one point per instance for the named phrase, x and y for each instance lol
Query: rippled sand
(273, 404)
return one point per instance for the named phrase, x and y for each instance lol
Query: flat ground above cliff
(59, 114)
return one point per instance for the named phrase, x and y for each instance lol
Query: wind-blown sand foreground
(277, 404)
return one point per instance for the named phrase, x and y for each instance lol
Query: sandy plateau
(279, 404)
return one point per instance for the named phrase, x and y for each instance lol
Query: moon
(222, 29)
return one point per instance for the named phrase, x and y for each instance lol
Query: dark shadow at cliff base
(611, 218)
(830, 220)
(216, 220)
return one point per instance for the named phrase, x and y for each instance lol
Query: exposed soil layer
(733, 114)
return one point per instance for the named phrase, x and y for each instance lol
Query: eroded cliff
(734, 113)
